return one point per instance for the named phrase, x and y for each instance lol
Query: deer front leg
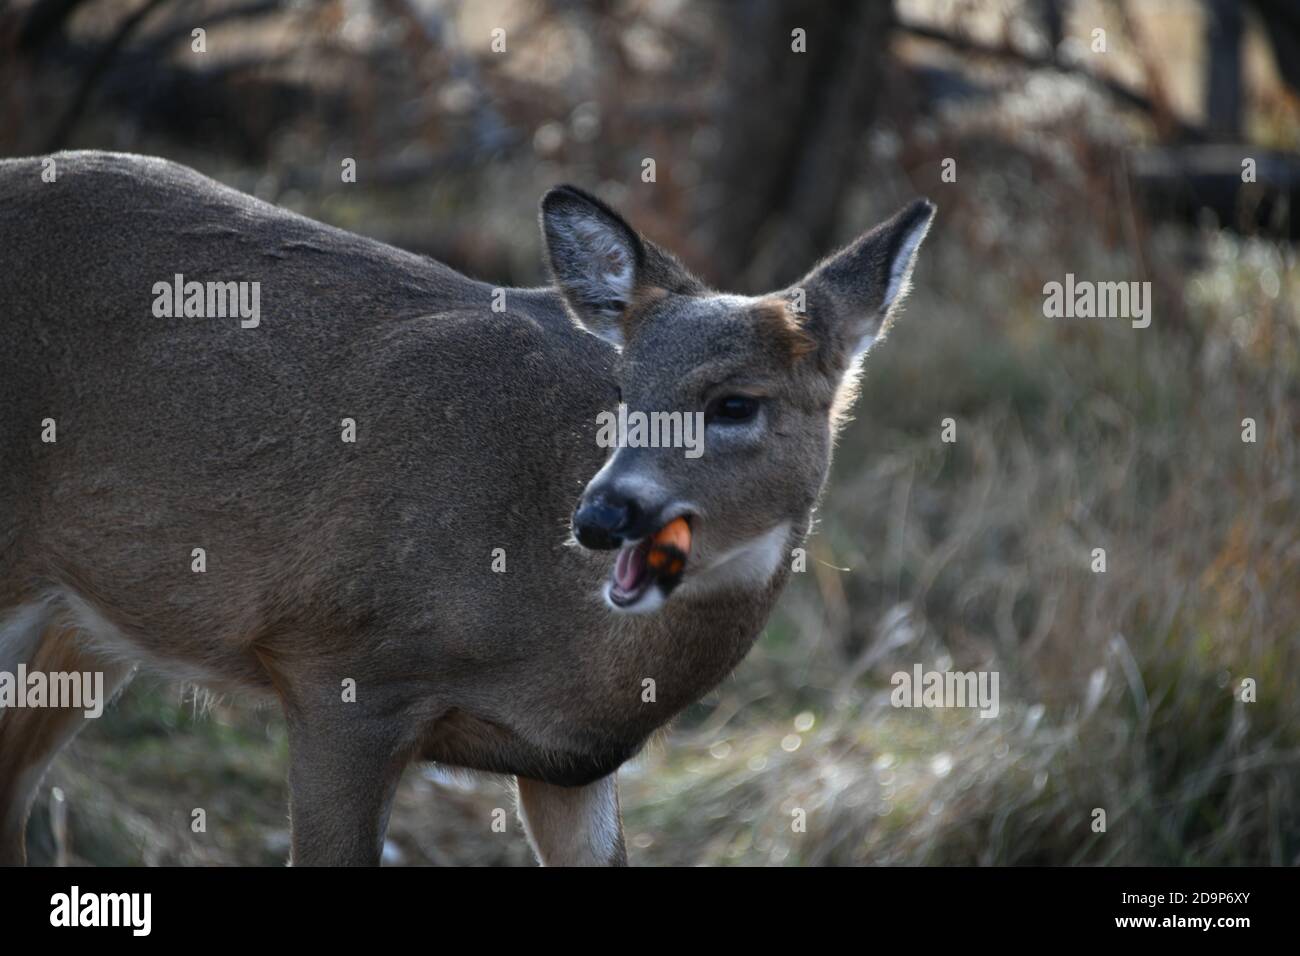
(573, 826)
(343, 773)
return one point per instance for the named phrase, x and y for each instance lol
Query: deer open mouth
(658, 562)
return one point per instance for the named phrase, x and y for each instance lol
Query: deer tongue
(630, 567)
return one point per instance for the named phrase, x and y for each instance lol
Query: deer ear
(597, 259)
(850, 298)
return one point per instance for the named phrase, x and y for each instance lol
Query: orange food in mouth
(657, 560)
(674, 536)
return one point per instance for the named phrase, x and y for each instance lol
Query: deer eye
(732, 409)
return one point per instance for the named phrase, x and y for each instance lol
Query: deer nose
(605, 520)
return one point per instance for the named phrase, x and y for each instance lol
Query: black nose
(604, 520)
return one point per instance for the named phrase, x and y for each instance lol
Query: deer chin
(645, 574)
(749, 565)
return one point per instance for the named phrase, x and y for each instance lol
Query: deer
(473, 564)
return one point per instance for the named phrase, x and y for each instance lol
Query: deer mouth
(655, 563)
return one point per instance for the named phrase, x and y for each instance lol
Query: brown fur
(776, 314)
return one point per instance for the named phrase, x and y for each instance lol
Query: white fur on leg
(573, 826)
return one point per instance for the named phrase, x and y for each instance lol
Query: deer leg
(573, 826)
(31, 737)
(344, 766)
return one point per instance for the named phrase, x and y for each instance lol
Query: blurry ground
(1117, 688)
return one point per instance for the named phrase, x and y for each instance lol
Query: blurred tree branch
(156, 43)
(107, 53)
(44, 22)
(1282, 27)
(1050, 61)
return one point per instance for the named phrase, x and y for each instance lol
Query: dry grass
(1119, 689)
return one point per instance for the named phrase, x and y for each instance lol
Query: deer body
(331, 561)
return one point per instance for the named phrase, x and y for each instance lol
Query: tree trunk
(1223, 30)
(791, 125)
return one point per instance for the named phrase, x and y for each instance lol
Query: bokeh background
(1119, 690)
